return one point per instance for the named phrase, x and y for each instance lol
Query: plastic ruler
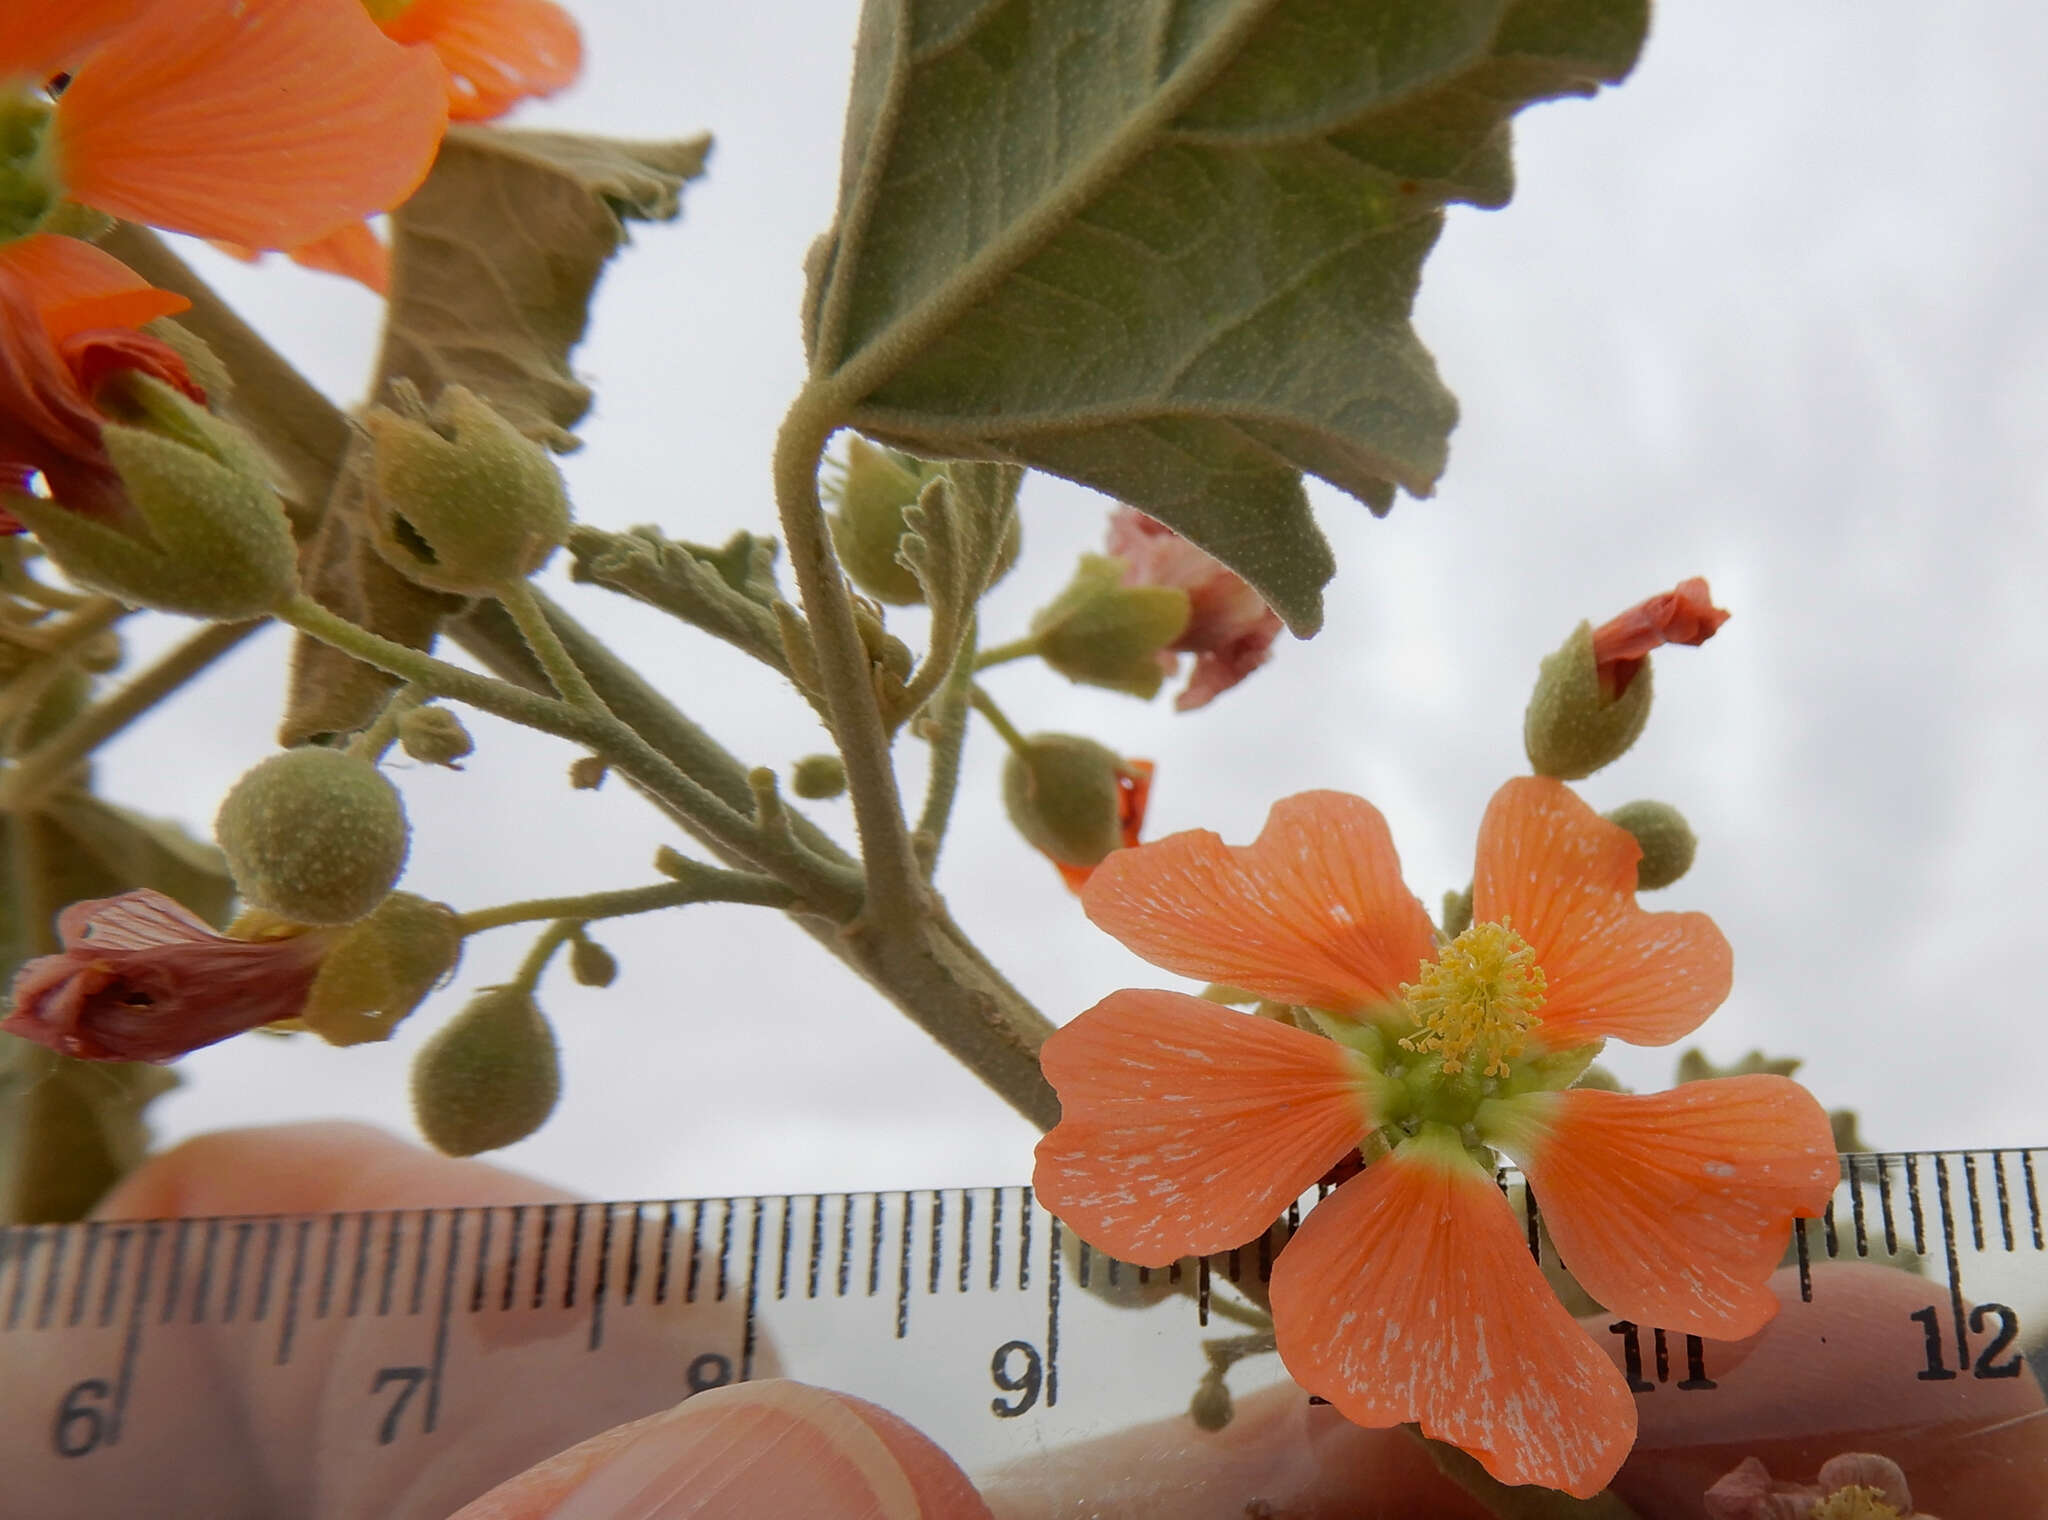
(159, 1367)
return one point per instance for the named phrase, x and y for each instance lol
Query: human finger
(758, 1449)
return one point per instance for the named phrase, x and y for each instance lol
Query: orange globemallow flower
(67, 320)
(1686, 614)
(493, 55)
(143, 979)
(1409, 1294)
(270, 123)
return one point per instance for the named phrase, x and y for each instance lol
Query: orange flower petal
(1409, 1294)
(1186, 1127)
(1673, 1208)
(266, 122)
(1564, 878)
(497, 52)
(354, 252)
(76, 286)
(42, 38)
(1313, 912)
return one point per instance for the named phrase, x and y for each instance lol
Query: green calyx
(212, 539)
(1571, 729)
(1061, 791)
(1103, 633)
(460, 500)
(382, 969)
(870, 492)
(29, 187)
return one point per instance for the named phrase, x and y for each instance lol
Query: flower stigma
(1477, 999)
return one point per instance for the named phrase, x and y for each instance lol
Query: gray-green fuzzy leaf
(1168, 248)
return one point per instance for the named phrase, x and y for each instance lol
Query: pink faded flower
(142, 978)
(1686, 614)
(1857, 1485)
(1230, 629)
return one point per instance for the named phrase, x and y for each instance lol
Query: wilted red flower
(67, 324)
(1230, 629)
(142, 978)
(1133, 792)
(1685, 614)
(1857, 1485)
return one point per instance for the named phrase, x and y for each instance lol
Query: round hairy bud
(489, 1076)
(314, 835)
(1211, 1408)
(816, 777)
(460, 500)
(1668, 842)
(1061, 792)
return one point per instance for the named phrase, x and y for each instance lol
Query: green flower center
(1476, 1001)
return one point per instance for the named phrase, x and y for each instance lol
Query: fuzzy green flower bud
(205, 536)
(871, 490)
(1572, 728)
(1104, 633)
(591, 964)
(314, 835)
(489, 1076)
(381, 969)
(1667, 841)
(817, 777)
(434, 735)
(1062, 794)
(460, 500)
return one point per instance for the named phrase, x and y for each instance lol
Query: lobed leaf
(1168, 248)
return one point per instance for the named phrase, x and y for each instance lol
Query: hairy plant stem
(828, 888)
(26, 785)
(986, 706)
(1003, 654)
(552, 938)
(373, 742)
(896, 892)
(945, 731)
(56, 646)
(705, 884)
(563, 672)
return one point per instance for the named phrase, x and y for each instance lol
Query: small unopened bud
(314, 835)
(591, 964)
(889, 653)
(870, 493)
(1062, 793)
(382, 969)
(209, 537)
(1211, 1407)
(461, 501)
(587, 773)
(489, 1076)
(1667, 842)
(1105, 633)
(1571, 728)
(434, 735)
(816, 777)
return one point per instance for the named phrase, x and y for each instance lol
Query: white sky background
(1770, 312)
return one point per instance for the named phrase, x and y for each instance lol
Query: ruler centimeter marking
(135, 1279)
